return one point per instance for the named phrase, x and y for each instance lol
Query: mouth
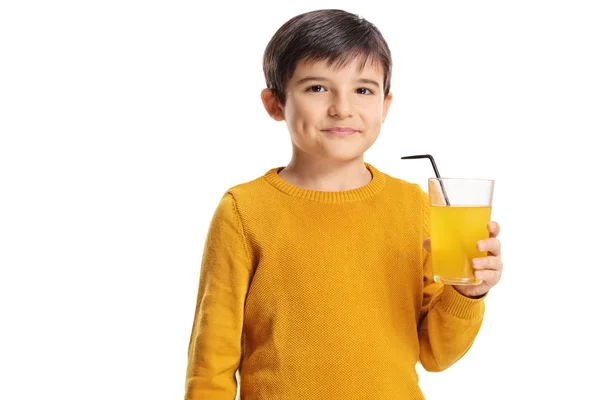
(341, 131)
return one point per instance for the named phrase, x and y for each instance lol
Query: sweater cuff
(461, 306)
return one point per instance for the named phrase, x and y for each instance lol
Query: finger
(427, 245)
(490, 262)
(494, 229)
(488, 276)
(491, 245)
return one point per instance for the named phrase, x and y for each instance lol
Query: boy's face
(332, 114)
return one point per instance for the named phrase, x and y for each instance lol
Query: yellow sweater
(322, 295)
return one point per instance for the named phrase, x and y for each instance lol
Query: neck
(326, 175)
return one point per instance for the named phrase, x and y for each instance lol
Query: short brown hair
(333, 35)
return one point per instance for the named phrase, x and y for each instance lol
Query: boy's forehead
(358, 67)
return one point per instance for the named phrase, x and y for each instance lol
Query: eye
(364, 91)
(316, 89)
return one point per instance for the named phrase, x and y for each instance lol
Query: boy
(315, 280)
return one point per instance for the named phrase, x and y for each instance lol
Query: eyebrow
(321, 79)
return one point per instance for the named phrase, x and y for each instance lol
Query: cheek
(377, 113)
(306, 115)
(295, 121)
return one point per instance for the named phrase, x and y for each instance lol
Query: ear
(272, 105)
(386, 105)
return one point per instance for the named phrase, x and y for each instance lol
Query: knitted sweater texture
(322, 295)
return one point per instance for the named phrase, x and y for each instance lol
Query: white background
(123, 122)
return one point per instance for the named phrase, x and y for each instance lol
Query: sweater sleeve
(449, 321)
(215, 347)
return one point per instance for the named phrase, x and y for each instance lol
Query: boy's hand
(487, 269)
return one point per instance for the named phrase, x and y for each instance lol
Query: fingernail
(476, 262)
(481, 245)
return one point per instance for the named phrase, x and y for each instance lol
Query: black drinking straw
(437, 173)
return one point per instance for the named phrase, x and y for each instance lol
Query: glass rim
(462, 179)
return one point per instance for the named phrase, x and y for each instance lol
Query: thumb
(427, 244)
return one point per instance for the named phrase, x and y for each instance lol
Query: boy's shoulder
(399, 184)
(251, 189)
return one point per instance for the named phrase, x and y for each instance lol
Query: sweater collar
(370, 189)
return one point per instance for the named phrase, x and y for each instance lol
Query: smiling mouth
(341, 131)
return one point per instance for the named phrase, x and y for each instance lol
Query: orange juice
(455, 231)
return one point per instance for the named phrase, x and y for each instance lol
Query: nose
(341, 107)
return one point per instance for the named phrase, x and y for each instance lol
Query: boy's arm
(215, 344)
(449, 321)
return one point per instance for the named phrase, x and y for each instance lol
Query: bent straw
(437, 173)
